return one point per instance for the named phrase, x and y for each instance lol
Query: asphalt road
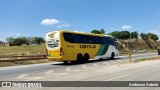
(7, 72)
(95, 70)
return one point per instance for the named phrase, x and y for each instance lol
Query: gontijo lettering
(87, 46)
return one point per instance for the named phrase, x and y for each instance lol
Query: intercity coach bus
(68, 46)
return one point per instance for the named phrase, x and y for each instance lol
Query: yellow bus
(67, 46)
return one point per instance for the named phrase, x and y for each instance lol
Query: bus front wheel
(112, 56)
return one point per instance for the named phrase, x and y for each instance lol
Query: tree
(102, 31)
(29, 39)
(115, 34)
(38, 40)
(149, 35)
(152, 36)
(144, 36)
(134, 34)
(155, 38)
(96, 32)
(124, 35)
(21, 40)
(10, 40)
(121, 34)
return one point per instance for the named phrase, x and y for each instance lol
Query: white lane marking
(121, 61)
(69, 70)
(113, 62)
(85, 67)
(49, 71)
(21, 76)
(106, 63)
(95, 65)
(25, 78)
(13, 75)
(32, 78)
(117, 77)
(52, 72)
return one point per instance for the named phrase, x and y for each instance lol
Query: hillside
(139, 44)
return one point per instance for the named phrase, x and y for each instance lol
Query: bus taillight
(61, 52)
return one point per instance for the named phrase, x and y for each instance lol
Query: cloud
(54, 22)
(157, 32)
(49, 21)
(126, 27)
(63, 25)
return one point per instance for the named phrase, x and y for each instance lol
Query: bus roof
(76, 32)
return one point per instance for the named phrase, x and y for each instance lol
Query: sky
(31, 18)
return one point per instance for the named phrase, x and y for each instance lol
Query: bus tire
(86, 57)
(112, 56)
(79, 58)
(65, 62)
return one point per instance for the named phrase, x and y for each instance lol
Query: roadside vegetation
(145, 59)
(22, 41)
(22, 50)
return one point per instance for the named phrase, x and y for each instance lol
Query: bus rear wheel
(86, 57)
(79, 58)
(112, 56)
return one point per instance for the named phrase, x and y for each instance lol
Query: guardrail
(22, 58)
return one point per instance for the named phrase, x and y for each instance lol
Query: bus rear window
(52, 43)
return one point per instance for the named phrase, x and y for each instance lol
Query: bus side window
(111, 41)
(99, 40)
(94, 40)
(104, 40)
(68, 37)
(108, 40)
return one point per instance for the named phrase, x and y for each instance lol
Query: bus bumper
(55, 59)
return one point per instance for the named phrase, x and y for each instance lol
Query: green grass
(22, 50)
(41, 49)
